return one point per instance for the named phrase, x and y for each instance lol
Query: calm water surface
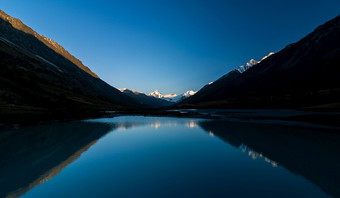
(168, 157)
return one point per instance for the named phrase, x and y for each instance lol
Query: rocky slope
(18, 25)
(303, 74)
(37, 80)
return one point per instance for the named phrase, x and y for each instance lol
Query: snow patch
(251, 63)
(172, 97)
(48, 62)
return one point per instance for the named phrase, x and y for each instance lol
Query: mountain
(146, 100)
(214, 88)
(303, 74)
(40, 77)
(156, 94)
(189, 93)
(186, 95)
(172, 97)
(17, 24)
(251, 63)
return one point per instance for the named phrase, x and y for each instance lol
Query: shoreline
(286, 117)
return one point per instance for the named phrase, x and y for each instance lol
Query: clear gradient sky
(170, 45)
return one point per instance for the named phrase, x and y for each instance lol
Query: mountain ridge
(172, 97)
(146, 99)
(252, 62)
(37, 83)
(19, 25)
(304, 74)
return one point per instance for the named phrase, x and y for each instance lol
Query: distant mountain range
(146, 99)
(172, 97)
(304, 74)
(38, 76)
(156, 99)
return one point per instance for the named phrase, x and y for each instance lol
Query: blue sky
(170, 45)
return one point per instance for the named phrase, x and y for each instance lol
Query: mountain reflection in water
(311, 153)
(33, 155)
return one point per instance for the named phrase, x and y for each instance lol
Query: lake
(135, 156)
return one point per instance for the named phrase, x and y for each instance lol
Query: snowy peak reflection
(255, 155)
(155, 125)
(312, 153)
(173, 123)
(125, 123)
(191, 124)
(188, 123)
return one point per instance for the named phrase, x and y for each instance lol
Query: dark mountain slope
(147, 100)
(310, 153)
(34, 79)
(214, 89)
(303, 74)
(16, 36)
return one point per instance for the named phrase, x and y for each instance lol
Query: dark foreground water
(168, 157)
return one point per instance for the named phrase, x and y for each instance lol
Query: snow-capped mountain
(156, 94)
(167, 97)
(126, 89)
(213, 88)
(251, 63)
(146, 99)
(189, 93)
(172, 97)
(299, 76)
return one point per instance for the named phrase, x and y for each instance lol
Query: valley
(246, 99)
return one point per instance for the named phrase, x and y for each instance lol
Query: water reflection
(312, 153)
(129, 122)
(33, 155)
(127, 125)
(191, 124)
(155, 125)
(255, 155)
